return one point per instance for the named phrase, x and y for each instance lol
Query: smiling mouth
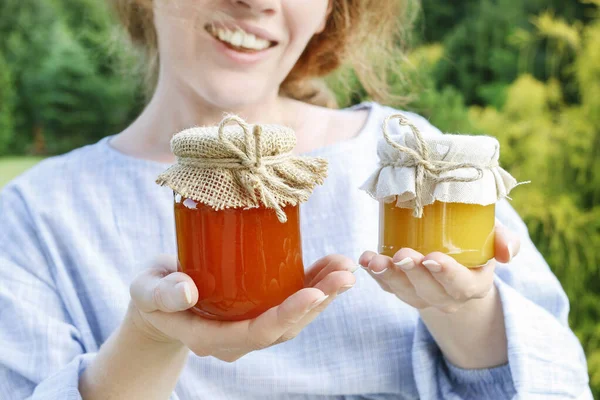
(238, 39)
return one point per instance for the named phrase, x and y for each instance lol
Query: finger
(388, 276)
(305, 321)
(426, 286)
(231, 340)
(268, 327)
(364, 261)
(328, 265)
(366, 258)
(152, 291)
(381, 266)
(333, 284)
(507, 244)
(393, 279)
(459, 282)
(336, 282)
(165, 262)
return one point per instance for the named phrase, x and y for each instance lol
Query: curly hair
(363, 35)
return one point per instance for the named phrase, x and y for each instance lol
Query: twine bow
(426, 169)
(251, 160)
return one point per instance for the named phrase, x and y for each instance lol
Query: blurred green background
(527, 72)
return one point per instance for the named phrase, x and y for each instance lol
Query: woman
(78, 230)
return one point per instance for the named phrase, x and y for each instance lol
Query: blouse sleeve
(545, 359)
(42, 352)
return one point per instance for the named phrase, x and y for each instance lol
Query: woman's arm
(42, 350)
(475, 320)
(472, 337)
(44, 354)
(144, 357)
(131, 364)
(460, 306)
(471, 333)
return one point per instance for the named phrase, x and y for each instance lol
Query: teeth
(237, 38)
(240, 38)
(249, 41)
(261, 43)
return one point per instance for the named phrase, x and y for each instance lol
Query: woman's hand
(460, 306)
(436, 280)
(144, 357)
(159, 295)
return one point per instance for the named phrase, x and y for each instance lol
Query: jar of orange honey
(237, 193)
(437, 192)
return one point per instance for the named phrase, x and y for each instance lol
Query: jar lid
(242, 166)
(416, 170)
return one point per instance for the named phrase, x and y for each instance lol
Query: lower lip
(242, 57)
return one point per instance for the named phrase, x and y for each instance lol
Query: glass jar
(243, 261)
(463, 231)
(437, 192)
(237, 193)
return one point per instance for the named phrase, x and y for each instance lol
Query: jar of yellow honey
(237, 195)
(437, 192)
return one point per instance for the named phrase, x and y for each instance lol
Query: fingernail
(318, 302)
(431, 265)
(379, 272)
(187, 292)
(344, 289)
(354, 268)
(406, 264)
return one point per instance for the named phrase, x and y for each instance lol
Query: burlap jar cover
(242, 166)
(417, 170)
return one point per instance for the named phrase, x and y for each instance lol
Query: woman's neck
(176, 106)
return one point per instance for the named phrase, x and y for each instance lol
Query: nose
(267, 7)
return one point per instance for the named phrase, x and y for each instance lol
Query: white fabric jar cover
(417, 170)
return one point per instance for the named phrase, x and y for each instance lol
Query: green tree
(557, 144)
(480, 59)
(67, 73)
(7, 100)
(78, 104)
(25, 27)
(545, 114)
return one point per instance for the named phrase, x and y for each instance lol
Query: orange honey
(243, 261)
(463, 231)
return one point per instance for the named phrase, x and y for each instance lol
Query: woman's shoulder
(379, 112)
(358, 127)
(59, 174)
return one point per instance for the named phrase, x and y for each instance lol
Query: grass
(10, 167)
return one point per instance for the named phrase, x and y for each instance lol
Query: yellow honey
(463, 231)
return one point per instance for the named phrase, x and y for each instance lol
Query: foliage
(480, 59)
(548, 124)
(7, 104)
(527, 72)
(533, 81)
(66, 75)
(22, 48)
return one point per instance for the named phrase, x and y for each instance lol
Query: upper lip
(256, 31)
